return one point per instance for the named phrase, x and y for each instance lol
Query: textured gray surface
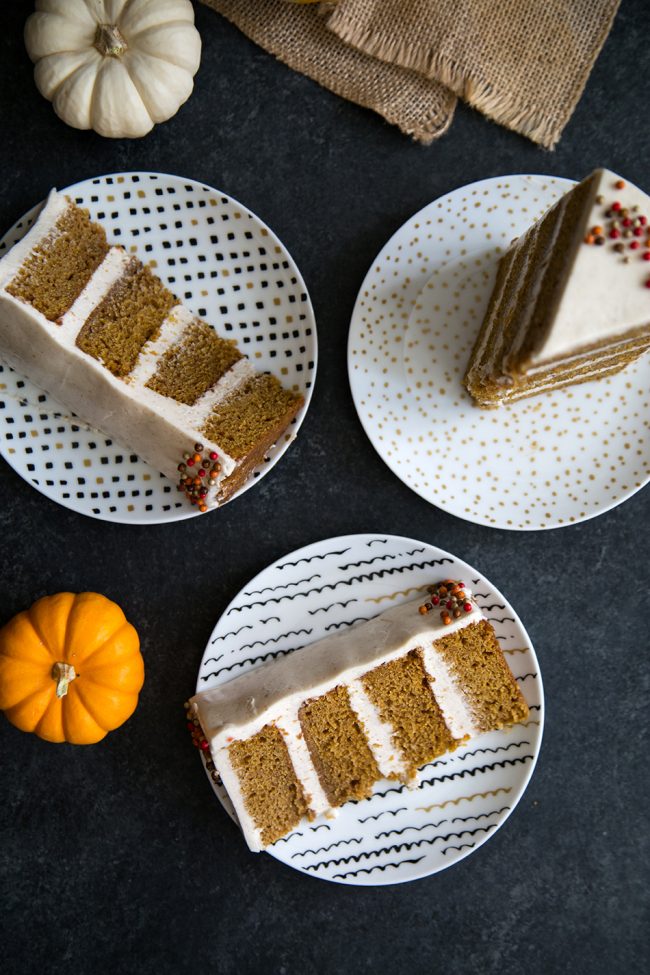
(117, 857)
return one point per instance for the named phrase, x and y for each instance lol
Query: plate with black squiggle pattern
(398, 834)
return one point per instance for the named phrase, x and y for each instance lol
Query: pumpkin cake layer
(127, 317)
(99, 331)
(570, 301)
(61, 264)
(194, 364)
(268, 783)
(338, 747)
(376, 701)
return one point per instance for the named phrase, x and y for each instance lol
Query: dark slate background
(117, 857)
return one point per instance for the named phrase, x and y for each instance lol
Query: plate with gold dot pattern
(552, 460)
(226, 266)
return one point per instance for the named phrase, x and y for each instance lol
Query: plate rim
(525, 780)
(179, 515)
(356, 393)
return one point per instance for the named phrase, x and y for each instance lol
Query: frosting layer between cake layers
(159, 428)
(276, 693)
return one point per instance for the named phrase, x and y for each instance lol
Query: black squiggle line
(492, 751)
(416, 829)
(324, 849)
(473, 771)
(299, 582)
(271, 619)
(463, 846)
(274, 639)
(534, 707)
(285, 839)
(278, 599)
(475, 582)
(397, 848)
(380, 573)
(376, 795)
(383, 866)
(379, 558)
(489, 608)
(324, 609)
(213, 659)
(250, 660)
(366, 577)
(480, 595)
(503, 619)
(530, 674)
(310, 559)
(314, 829)
(246, 626)
(386, 812)
(357, 619)
(495, 812)
(377, 541)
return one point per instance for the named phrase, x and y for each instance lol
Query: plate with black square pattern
(226, 266)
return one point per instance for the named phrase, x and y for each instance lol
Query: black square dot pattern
(235, 275)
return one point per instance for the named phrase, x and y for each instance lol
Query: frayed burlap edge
(425, 130)
(502, 107)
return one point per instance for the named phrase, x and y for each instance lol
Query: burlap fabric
(298, 35)
(523, 63)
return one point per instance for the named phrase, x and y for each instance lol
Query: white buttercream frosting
(603, 298)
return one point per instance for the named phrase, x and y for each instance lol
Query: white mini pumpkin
(115, 66)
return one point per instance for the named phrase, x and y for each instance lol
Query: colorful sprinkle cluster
(199, 740)
(195, 483)
(625, 226)
(452, 599)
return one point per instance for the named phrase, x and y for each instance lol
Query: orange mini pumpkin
(70, 668)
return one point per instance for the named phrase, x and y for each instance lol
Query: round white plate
(552, 460)
(398, 834)
(222, 262)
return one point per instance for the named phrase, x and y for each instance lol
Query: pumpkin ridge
(90, 706)
(130, 684)
(125, 625)
(92, 598)
(15, 651)
(24, 703)
(84, 59)
(69, 719)
(40, 635)
(147, 30)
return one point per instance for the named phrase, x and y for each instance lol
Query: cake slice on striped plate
(98, 330)
(299, 736)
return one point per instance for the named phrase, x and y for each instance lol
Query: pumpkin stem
(63, 674)
(109, 41)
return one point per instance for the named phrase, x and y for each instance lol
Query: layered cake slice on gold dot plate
(571, 301)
